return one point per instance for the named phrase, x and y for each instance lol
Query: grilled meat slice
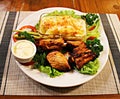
(82, 55)
(85, 58)
(79, 51)
(75, 43)
(58, 61)
(51, 44)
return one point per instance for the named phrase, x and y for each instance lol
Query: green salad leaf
(90, 68)
(42, 65)
(64, 12)
(45, 69)
(50, 71)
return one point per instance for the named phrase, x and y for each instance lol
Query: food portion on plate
(65, 41)
(62, 25)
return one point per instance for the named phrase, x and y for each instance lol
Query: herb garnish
(90, 18)
(95, 46)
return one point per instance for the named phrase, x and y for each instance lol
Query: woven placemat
(15, 82)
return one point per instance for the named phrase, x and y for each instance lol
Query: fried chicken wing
(58, 61)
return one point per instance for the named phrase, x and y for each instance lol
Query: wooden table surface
(97, 6)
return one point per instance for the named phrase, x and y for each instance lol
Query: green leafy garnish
(95, 46)
(26, 36)
(90, 68)
(39, 59)
(90, 18)
(41, 65)
(64, 12)
(50, 71)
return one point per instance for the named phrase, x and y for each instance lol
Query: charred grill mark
(82, 55)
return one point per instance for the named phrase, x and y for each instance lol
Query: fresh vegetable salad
(65, 42)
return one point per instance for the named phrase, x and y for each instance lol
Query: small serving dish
(23, 51)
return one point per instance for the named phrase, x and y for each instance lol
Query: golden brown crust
(51, 44)
(58, 61)
(67, 26)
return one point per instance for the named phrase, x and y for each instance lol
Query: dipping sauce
(23, 50)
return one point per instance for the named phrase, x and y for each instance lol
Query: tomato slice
(91, 28)
(28, 27)
(33, 29)
(28, 63)
(91, 38)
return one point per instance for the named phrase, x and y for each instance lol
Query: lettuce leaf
(50, 71)
(90, 68)
(64, 12)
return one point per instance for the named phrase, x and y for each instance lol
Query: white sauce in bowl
(23, 50)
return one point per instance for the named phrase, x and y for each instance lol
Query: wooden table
(98, 6)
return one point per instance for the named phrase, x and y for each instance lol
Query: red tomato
(28, 27)
(91, 38)
(91, 28)
(27, 64)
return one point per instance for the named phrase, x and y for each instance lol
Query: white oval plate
(68, 79)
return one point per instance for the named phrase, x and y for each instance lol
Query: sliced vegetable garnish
(23, 33)
(28, 27)
(26, 36)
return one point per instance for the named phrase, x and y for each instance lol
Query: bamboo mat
(14, 82)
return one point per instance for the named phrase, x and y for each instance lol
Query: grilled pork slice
(51, 44)
(82, 55)
(58, 61)
(75, 43)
